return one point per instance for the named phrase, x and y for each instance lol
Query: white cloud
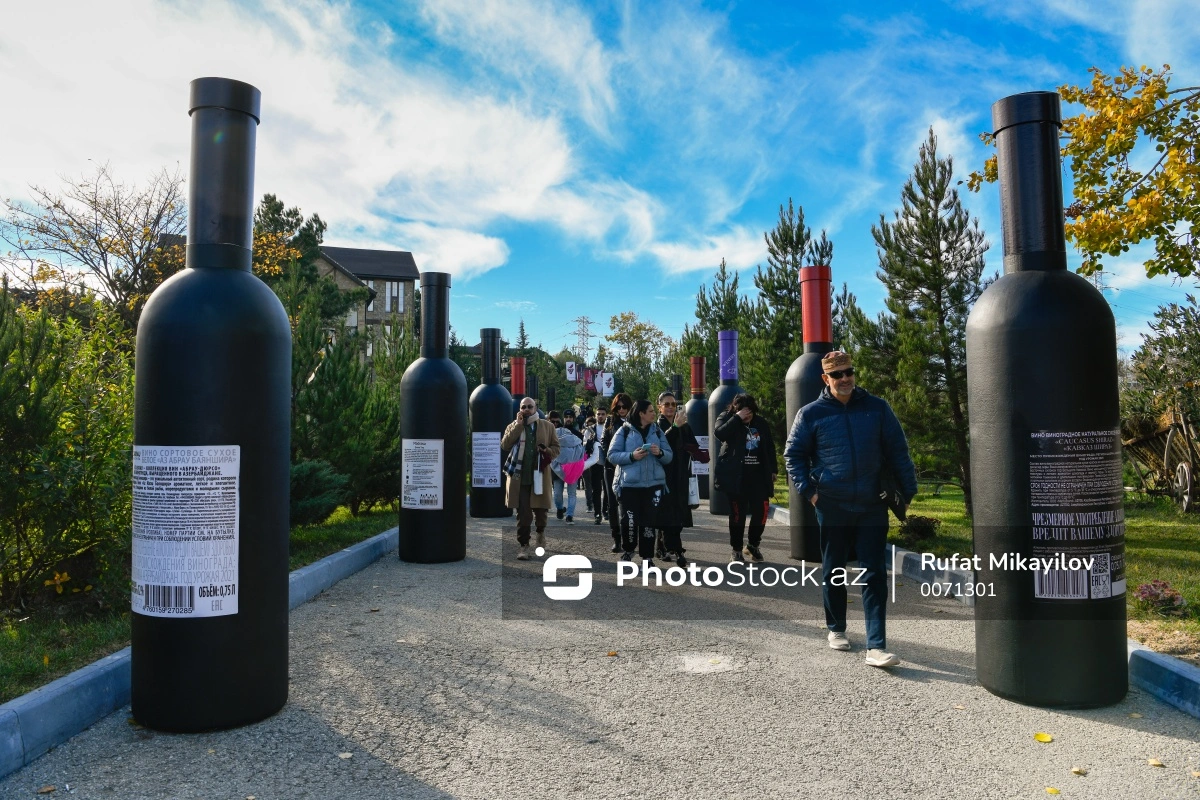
(380, 148)
(516, 305)
(542, 45)
(740, 247)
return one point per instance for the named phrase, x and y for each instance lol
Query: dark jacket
(674, 509)
(837, 450)
(727, 473)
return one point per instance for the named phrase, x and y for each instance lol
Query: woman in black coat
(745, 471)
(674, 514)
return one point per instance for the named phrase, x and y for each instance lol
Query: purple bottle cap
(727, 348)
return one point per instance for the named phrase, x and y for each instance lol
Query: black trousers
(595, 489)
(739, 509)
(617, 524)
(638, 506)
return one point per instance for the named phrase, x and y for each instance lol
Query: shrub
(916, 529)
(66, 424)
(1159, 597)
(317, 491)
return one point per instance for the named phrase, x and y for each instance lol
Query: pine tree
(772, 339)
(717, 309)
(522, 341)
(931, 261)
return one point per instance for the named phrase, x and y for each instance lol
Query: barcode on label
(183, 597)
(1061, 584)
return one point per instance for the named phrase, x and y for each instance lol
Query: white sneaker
(523, 553)
(881, 658)
(838, 641)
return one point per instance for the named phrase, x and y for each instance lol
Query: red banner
(589, 380)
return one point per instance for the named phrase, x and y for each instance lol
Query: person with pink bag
(567, 467)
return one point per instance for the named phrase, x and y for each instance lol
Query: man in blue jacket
(838, 445)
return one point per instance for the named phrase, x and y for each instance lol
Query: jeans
(558, 497)
(867, 531)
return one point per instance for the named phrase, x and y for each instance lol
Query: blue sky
(567, 159)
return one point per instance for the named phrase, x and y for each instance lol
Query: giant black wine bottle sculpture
(697, 414)
(211, 453)
(718, 401)
(803, 385)
(433, 439)
(1045, 444)
(491, 411)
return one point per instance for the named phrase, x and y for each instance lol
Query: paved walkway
(407, 681)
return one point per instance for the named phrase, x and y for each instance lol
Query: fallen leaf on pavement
(960, 708)
(714, 661)
(1042, 737)
(612, 653)
(1195, 774)
(1052, 790)
(373, 610)
(1135, 715)
(47, 789)
(1154, 762)
(344, 756)
(211, 751)
(1078, 771)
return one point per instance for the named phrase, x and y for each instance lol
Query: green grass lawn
(1160, 544)
(60, 637)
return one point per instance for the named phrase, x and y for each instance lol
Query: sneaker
(627, 555)
(561, 511)
(599, 519)
(838, 641)
(681, 562)
(523, 553)
(737, 556)
(570, 520)
(541, 538)
(616, 548)
(750, 551)
(880, 658)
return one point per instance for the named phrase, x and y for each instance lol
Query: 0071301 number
(958, 590)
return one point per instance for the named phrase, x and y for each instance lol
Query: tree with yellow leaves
(1131, 119)
(97, 235)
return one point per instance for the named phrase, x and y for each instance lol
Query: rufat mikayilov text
(1005, 562)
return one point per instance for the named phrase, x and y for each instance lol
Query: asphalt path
(450, 681)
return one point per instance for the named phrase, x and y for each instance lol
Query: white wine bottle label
(423, 479)
(185, 530)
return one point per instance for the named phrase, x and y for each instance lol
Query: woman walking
(674, 513)
(640, 451)
(616, 418)
(745, 472)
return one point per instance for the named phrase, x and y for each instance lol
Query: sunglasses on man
(841, 373)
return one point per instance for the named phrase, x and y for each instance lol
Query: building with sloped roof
(390, 276)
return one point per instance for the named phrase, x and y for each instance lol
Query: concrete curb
(48, 716)
(1174, 682)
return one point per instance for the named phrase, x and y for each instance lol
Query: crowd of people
(634, 462)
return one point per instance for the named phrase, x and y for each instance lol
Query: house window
(352, 318)
(371, 303)
(397, 301)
